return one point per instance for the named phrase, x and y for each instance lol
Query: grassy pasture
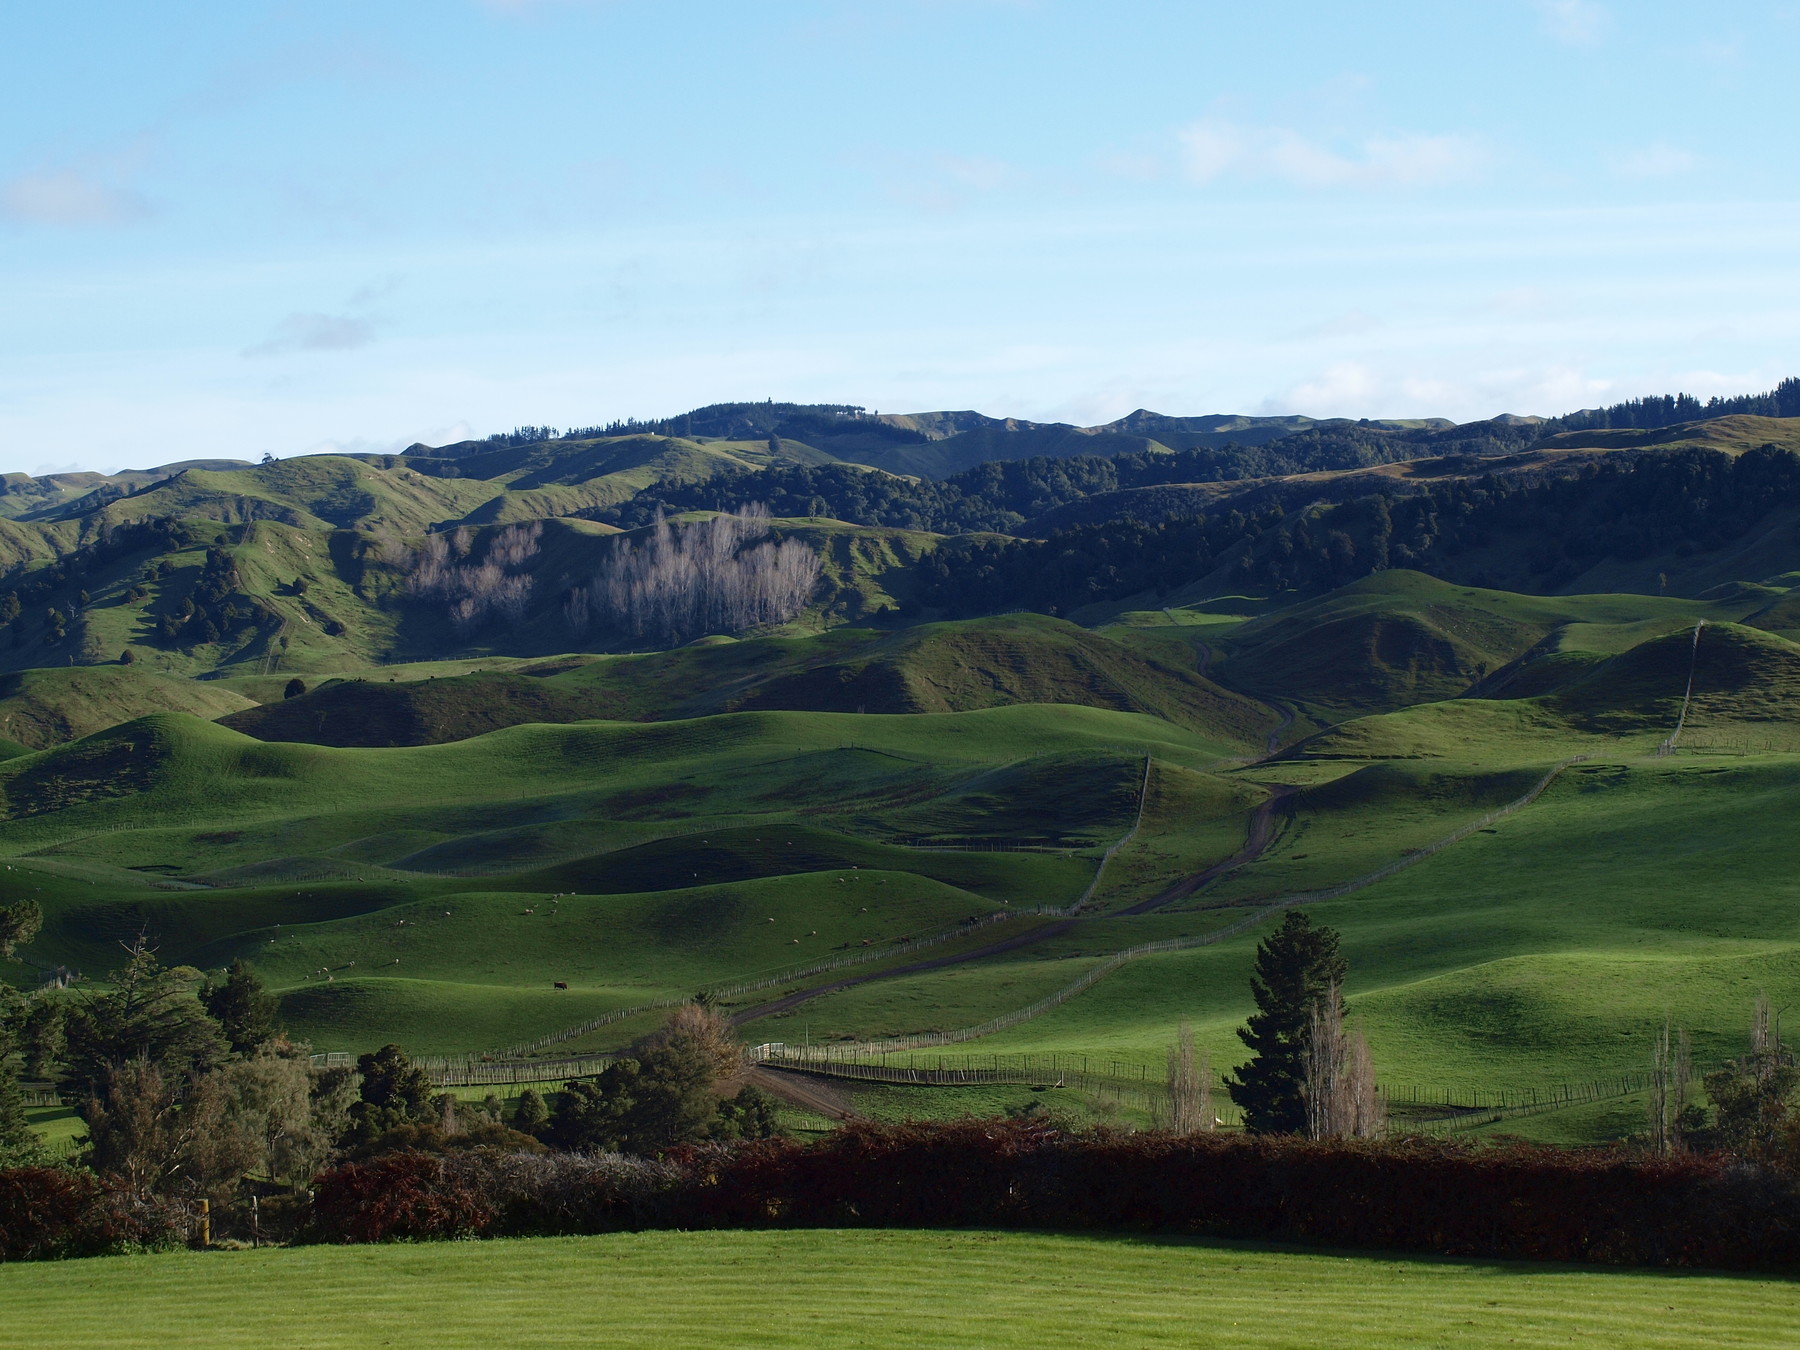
(1541, 952)
(171, 770)
(876, 1289)
(940, 667)
(1544, 952)
(390, 896)
(1402, 638)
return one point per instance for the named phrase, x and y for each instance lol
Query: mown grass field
(975, 1289)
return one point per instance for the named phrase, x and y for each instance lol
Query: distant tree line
(752, 422)
(727, 421)
(1005, 495)
(1626, 507)
(1667, 410)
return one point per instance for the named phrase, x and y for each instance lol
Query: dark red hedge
(1544, 1204)
(52, 1211)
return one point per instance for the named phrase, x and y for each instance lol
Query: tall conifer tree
(1295, 967)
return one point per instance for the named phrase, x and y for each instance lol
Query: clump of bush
(50, 1212)
(492, 1194)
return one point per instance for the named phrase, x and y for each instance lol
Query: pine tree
(148, 1013)
(1296, 966)
(243, 1008)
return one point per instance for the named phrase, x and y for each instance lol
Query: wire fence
(497, 1061)
(1668, 745)
(1434, 1108)
(1445, 1110)
(1124, 839)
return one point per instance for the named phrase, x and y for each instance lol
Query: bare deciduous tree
(475, 593)
(1671, 1079)
(1341, 1096)
(722, 575)
(1189, 1108)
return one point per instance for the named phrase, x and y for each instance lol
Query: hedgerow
(1545, 1204)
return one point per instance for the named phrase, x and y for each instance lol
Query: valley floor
(874, 1289)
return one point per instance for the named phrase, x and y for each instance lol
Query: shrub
(401, 1195)
(48, 1212)
(489, 1193)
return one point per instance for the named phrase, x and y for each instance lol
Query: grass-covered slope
(950, 667)
(448, 821)
(1733, 435)
(41, 708)
(376, 712)
(311, 492)
(409, 889)
(1401, 638)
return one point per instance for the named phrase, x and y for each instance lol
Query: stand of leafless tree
(1341, 1096)
(477, 592)
(722, 575)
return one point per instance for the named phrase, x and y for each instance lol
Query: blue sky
(230, 229)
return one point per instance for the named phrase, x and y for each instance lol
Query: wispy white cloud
(68, 197)
(1659, 160)
(1215, 148)
(1363, 389)
(1576, 23)
(315, 333)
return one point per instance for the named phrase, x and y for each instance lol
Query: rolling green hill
(1401, 638)
(954, 667)
(433, 892)
(1174, 708)
(41, 708)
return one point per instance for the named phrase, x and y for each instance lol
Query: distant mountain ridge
(934, 444)
(509, 547)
